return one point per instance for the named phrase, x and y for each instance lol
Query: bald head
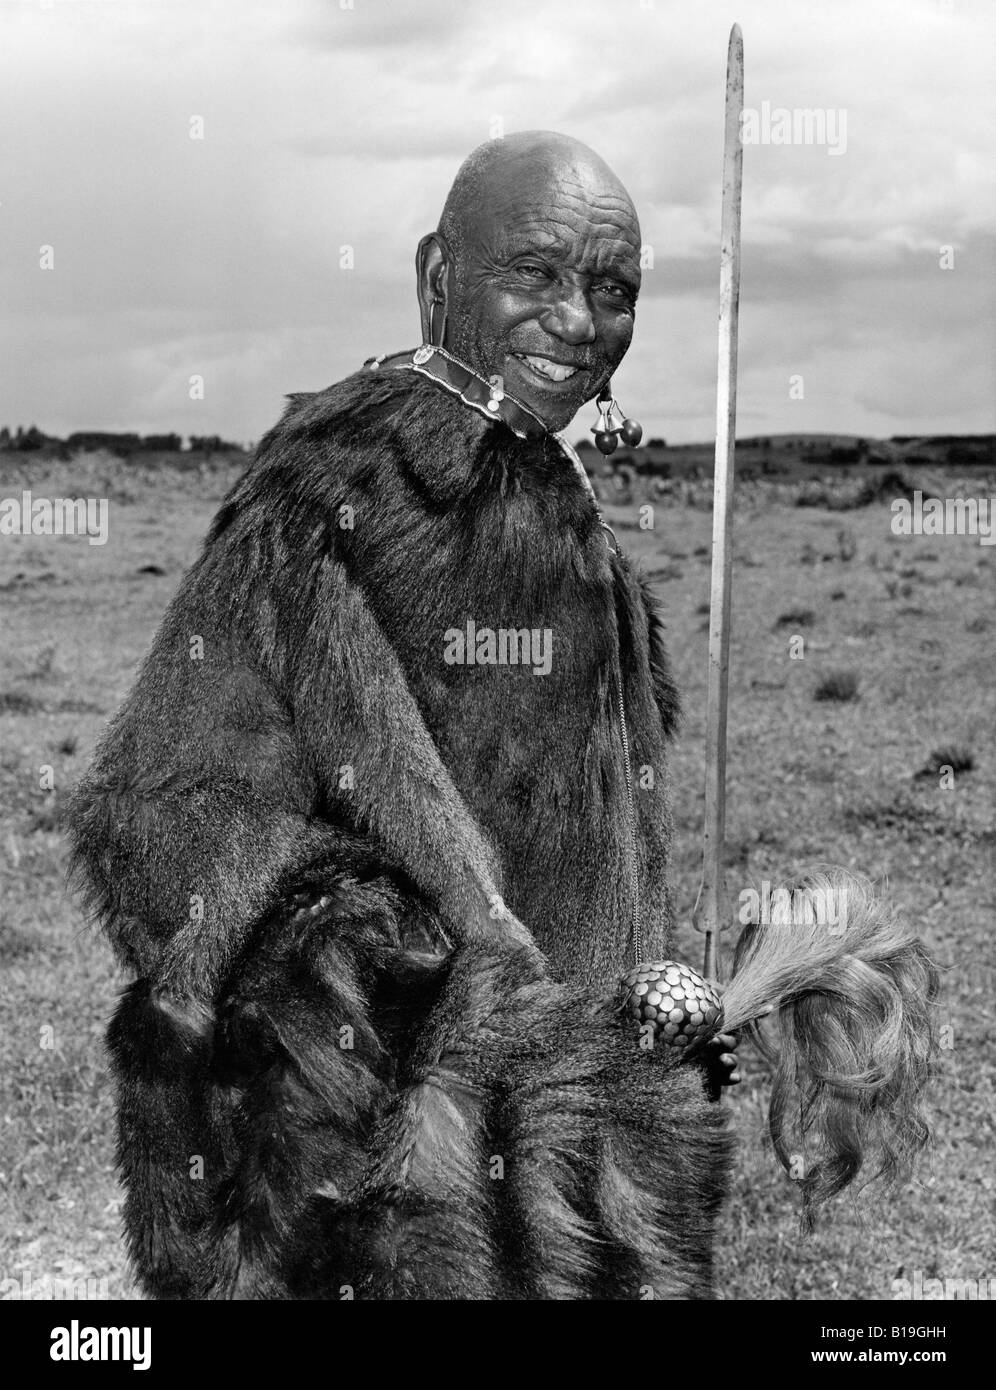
(501, 176)
(536, 268)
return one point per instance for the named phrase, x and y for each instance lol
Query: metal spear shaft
(710, 907)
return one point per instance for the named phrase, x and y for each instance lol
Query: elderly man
(384, 819)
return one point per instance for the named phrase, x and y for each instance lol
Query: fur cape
(339, 1071)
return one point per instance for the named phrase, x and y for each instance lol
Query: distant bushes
(212, 444)
(34, 440)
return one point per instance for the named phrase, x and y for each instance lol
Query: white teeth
(554, 370)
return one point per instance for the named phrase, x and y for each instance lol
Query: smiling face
(541, 247)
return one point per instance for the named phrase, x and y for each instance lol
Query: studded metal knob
(680, 1004)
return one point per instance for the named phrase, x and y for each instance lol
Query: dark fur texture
(218, 811)
(372, 1169)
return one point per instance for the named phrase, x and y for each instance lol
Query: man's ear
(432, 266)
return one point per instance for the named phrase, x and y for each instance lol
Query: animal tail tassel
(852, 989)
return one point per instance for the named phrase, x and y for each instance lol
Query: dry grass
(807, 781)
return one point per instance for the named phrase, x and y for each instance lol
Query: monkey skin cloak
(342, 1070)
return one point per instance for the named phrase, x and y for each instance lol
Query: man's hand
(720, 1056)
(721, 1061)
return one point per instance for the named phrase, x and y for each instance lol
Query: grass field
(912, 621)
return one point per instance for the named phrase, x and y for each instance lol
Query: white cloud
(326, 126)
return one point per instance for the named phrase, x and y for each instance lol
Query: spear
(709, 906)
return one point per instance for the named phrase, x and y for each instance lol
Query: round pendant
(681, 1006)
(632, 433)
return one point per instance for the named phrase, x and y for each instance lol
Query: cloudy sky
(329, 124)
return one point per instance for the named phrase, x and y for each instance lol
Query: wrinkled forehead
(562, 206)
